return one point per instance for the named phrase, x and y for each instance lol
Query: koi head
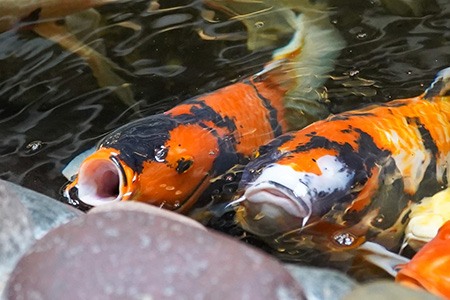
(281, 195)
(154, 160)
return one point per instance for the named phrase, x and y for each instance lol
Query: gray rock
(137, 255)
(24, 217)
(320, 283)
(16, 234)
(383, 289)
(45, 213)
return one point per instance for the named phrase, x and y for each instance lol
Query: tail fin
(311, 54)
(440, 86)
(305, 61)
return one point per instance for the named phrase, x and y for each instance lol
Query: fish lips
(276, 194)
(101, 181)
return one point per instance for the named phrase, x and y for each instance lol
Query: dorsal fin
(440, 86)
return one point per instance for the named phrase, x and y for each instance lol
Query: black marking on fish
(273, 113)
(183, 165)
(268, 154)
(427, 139)
(142, 136)
(203, 112)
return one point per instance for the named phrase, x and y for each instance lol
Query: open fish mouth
(100, 181)
(277, 195)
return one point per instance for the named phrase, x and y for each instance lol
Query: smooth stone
(321, 283)
(147, 208)
(16, 234)
(383, 289)
(45, 213)
(124, 254)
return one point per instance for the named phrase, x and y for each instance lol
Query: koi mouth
(277, 195)
(100, 181)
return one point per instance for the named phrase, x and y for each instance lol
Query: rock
(320, 283)
(123, 254)
(143, 207)
(383, 289)
(16, 234)
(45, 213)
(25, 216)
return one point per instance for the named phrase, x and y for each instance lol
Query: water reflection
(184, 48)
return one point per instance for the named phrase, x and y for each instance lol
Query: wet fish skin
(429, 267)
(350, 178)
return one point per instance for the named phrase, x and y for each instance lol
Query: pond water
(52, 107)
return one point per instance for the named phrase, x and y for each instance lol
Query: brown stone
(126, 254)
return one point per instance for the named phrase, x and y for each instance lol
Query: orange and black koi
(352, 177)
(169, 159)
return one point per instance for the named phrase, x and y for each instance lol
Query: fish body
(170, 159)
(429, 267)
(426, 218)
(350, 178)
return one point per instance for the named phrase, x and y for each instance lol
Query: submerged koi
(42, 16)
(426, 218)
(169, 159)
(350, 178)
(12, 12)
(428, 269)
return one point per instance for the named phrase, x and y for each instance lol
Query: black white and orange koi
(169, 159)
(352, 177)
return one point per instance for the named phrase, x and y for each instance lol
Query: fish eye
(183, 165)
(161, 153)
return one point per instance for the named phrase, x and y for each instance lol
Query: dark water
(51, 107)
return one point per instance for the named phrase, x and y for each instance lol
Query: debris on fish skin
(429, 268)
(426, 218)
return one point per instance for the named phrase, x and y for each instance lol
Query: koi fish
(429, 267)
(266, 21)
(41, 16)
(13, 12)
(426, 218)
(169, 159)
(350, 178)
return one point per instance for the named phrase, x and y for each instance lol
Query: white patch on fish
(297, 192)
